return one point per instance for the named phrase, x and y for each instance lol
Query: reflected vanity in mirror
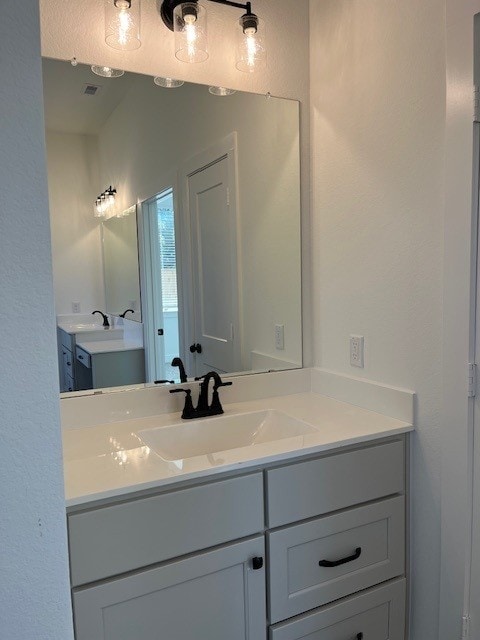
(198, 255)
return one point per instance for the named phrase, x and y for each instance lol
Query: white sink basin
(78, 327)
(202, 437)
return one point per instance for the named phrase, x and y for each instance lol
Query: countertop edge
(90, 500)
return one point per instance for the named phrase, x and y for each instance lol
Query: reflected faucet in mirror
(122, 315)
(177, 362)
(106, 323)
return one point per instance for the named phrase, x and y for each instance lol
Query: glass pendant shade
(190, 28)
(251, 44)
(107, 72)
(110, 197)
(221, 91)
(168, 83)
(98, 211)
(122, 24)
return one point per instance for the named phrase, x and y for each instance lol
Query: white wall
(378, 126)
(457, 437)
(34, 596)
(73, 185)
(154, 131)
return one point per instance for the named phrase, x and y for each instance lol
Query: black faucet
(122, 315)
(177, 362)
(203, 409)
(106, 323)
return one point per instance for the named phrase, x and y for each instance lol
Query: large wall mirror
(198, 255)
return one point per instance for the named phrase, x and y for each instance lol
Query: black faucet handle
(223, 384)
(188, 409)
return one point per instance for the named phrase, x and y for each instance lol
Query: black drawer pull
(337, 563)
(359, 636)
(80, 357)
(69, 364)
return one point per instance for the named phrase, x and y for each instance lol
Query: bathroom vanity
(93, 357)
(292, 538)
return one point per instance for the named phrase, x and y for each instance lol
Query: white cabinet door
(217, 595)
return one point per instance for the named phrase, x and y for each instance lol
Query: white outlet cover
(357, 351)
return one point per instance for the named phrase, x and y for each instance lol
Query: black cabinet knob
(196, 348)
(257, 563)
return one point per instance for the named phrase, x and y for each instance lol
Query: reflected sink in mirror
(202, 437)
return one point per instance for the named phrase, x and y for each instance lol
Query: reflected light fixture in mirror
(168, 83)
(104, 202)
(221, 91)
(122, 24)
(106, 72)
(188, 20)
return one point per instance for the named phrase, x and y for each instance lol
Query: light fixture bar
(168, 7)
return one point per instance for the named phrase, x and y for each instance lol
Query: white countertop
(108, 346)
(110, 460)
(83, 327)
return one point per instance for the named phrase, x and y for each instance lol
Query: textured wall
(34, 597)
(378, 126)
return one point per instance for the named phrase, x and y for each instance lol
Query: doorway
(160, 301)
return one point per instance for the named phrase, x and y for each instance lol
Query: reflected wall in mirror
(216, 184)
(120, 265)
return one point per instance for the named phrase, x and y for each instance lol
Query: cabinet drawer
(67, 362)
(112, 540)
(376, 614)
(308, 489)
(69, 384)
(214, 595)
(66, 339)
(83, 357)
(365, 545)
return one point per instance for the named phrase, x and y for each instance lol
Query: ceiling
(68, 109)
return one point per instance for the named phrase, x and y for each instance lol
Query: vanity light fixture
(105, 201)
(221, 91)
(122, 24)
(188, 21)
(107, 72)
(168, 83)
